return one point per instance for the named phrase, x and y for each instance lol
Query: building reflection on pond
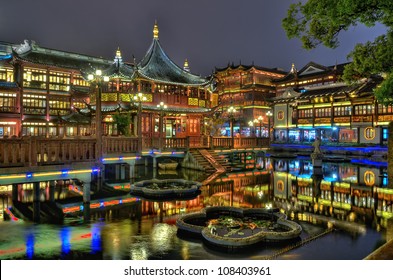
(349, 197)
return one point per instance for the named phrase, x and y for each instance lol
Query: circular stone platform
(232, 227)
(165, 189)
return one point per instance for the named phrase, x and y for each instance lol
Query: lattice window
(193, 101)
(202, 103)
(109, 97)
(125, 97)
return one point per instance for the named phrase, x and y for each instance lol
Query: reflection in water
(65, 236)
(96, 241)
(30, 245)
(353, 199)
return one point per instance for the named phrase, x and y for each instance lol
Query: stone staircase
(221, 159)
(208, 161)
(195, 160)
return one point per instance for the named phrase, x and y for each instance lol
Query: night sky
(209, 33)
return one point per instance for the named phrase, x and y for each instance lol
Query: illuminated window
(6, 74)
(34, 78)
(8, 102)
(34, 104)
(342, 111)
(59, 107)
(78, 80)
(364, 109)
(59, 81)
(369, 133)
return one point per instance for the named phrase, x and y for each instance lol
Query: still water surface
(343, 199)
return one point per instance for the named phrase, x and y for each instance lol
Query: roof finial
(293, 68)
(118, 59)
(186, 67)
(155, 30)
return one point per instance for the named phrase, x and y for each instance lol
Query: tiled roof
(248, 67)
(119, 70)
(157, 66)
(76, 117)
(31, 52)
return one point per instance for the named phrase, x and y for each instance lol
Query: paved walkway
(385, 252)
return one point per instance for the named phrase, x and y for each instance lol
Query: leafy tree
(122, 122)
(318, 22)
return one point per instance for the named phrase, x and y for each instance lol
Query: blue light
(120, 201)
(29, 175)
(64, 172)
(65, 237)
(120, 158)
(102, 204)
(95, 170)
(96, 241)
(4, 57)
(81, 207)
(30, 240)
(334, 128)
(369, 162)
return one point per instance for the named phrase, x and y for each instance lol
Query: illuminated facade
(313, 102)
(45, 92)
(249, 90)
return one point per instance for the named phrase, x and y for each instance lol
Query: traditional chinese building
(249, 90)
(314, 102)
(45, 92)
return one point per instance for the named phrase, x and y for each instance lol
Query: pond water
(342, 213)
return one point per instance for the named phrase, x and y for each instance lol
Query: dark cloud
(208, 33)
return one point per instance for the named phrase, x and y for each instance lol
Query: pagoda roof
(80, 89)
(119, 69)
(29, 51)
(157, 66)
(76, 117)
(361, 88)
(5, 48)
(312, 69)
(249, 67)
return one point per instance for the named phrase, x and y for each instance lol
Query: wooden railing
(33, 151)
(120, 145)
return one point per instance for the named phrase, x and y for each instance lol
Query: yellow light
(80, 171)
(46, 174)
(304, 106)
(98, 72)
(106, 79)
(13, 176)
(90, 77)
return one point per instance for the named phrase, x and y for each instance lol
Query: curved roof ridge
(157, 65)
